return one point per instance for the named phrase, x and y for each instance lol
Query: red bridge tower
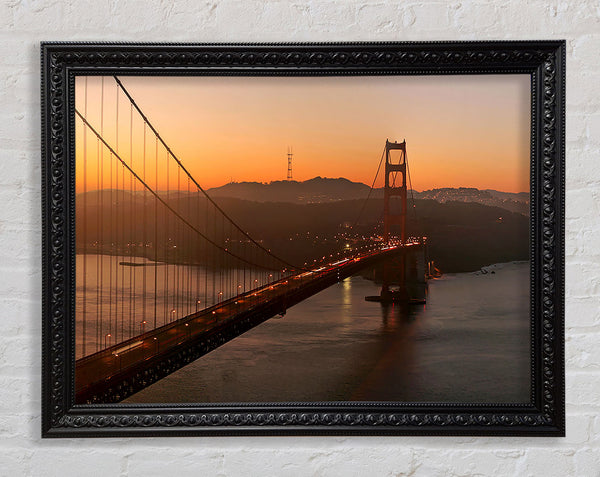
(394, 272)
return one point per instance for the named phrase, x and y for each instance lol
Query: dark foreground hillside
(461, 236)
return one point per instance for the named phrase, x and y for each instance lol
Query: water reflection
(470, 343)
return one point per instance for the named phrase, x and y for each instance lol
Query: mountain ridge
(322, 189)
(316, 190)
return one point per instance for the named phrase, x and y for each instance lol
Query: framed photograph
(350, 238)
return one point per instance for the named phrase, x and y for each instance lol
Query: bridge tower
(394, 272)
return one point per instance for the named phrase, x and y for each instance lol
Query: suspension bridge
(165, 274)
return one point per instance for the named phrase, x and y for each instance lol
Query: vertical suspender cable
(131, 228)
(168, 244)
(189, 250)
(412, 198)
(118, 243)
(214, 257)
(101, 192)
(98, 255)
(178, 243)
(206, 254)
(84, 220)
(110, 255)
(155, 244)
(85, 223)
(197, 255)
(145, 239)
(222, 267)
(123, 242)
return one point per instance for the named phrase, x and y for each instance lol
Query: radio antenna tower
(289, 175)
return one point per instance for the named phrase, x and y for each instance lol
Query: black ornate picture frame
(543, 415)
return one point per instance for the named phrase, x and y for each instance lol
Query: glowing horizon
(461, 131)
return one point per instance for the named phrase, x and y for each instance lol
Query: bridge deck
(121, 370)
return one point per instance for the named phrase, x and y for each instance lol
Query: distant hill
(313, 191)
(517, 196)
(514, 202)
(322, 190)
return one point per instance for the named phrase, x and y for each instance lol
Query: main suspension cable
(172, 154)
(370, 190)
(412, 195)
(162, 201)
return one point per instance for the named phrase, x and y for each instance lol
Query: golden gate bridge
(188, 278)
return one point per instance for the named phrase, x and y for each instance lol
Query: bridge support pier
(414, 291)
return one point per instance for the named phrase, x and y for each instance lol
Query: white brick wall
(24, 23)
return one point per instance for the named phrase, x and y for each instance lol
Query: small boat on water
(132, 264)
(432, 271)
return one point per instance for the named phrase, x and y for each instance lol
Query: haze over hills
(321, 190)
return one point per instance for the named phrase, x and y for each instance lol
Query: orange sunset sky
(461, 131)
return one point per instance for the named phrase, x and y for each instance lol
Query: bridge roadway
(114, 373)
